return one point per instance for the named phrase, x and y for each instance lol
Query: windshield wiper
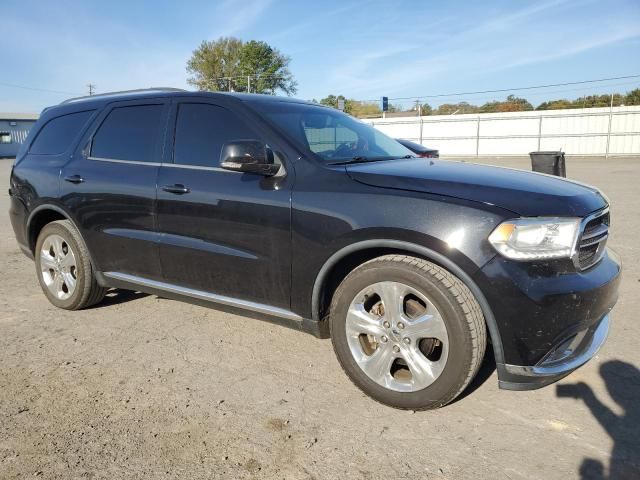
(363, 159)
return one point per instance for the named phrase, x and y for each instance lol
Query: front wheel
(407, 332)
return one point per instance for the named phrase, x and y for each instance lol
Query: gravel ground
(145, 387)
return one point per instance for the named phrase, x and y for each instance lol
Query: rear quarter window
(56, 135)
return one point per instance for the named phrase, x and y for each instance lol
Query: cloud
(234, 16)
(579, 45)
(315, 20)
(528, 36)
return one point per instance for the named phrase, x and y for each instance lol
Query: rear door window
(202, 129)
(131, 133)
(57, 134)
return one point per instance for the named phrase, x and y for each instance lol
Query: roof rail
(109, 94)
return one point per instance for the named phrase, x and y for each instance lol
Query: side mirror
(250, 156)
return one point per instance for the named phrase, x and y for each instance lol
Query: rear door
(109, 186)
(223, 232)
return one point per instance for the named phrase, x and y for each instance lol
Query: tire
(64, 269)
(407, 332)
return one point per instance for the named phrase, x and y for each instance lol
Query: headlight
(536, 238)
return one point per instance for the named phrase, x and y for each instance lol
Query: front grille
(593, 240)
(597, 222)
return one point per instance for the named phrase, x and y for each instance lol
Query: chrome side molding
(209, 297)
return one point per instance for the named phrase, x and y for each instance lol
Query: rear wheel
(407, 332)
(64, 267)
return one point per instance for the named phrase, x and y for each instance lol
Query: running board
(206, 296)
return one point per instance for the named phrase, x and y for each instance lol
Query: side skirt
(259, 311)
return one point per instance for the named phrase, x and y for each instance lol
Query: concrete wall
(592, 131)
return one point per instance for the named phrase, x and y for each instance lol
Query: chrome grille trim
(589, 237)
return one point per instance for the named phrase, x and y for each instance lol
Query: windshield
(330, 134)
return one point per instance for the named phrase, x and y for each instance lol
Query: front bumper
(563, 359)
(551, 319)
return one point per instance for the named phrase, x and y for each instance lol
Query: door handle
(178, 189)
(74, 179)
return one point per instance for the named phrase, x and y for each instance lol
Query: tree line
(510, 104)
(230, 64)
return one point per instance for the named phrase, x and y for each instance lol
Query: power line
(503, 90)
(254, 75)
(544, 95)
(37, 89)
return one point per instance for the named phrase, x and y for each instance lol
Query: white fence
(591, 131)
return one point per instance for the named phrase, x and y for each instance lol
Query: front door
(222, 232)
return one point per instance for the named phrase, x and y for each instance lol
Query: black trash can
(551, 163)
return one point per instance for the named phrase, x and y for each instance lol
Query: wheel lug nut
(383, 339)
(400, 325)
(407, 340)
(386, 324)
(396, 348)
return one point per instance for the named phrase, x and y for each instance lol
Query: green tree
(351, 106)
(426, 109)
(363, 109)
(230, 64)
(266, 69)
(632, 97)
(591, 101)
(516, 104)
(456, 108)
(511, 104)
(215, 65)
(332, 100)
(557, 105)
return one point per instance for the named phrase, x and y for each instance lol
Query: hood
(525, 193)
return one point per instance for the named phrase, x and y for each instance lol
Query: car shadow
(116, 296)
(623, 384)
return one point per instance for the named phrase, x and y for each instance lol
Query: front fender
(422, 252)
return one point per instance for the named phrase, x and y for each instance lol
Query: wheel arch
(346, 259)
(41, 216)
(45, 214)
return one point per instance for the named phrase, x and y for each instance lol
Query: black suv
(298, 213)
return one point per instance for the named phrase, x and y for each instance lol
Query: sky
(361, 49)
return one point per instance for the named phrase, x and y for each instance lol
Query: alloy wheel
(58, 266)
(397, 336)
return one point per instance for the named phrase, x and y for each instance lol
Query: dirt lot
(147, 387)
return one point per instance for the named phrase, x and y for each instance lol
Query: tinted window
(330, 134)
(202, 129)
(57, 134)
(329, 138)
(130, 133)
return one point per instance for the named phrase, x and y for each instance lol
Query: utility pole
(248, 83)
(92, 88)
